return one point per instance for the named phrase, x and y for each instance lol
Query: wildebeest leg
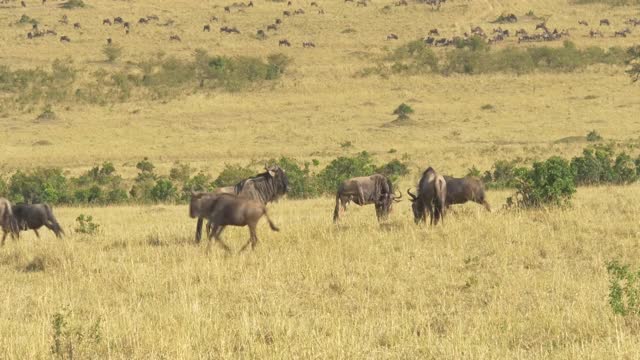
(4, 237)
(486, 205)
(216, 235)
(253, 238)
(199, 230)
(336, 211)
(36, 231)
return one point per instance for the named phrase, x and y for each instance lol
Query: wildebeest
(431, 197)
(299, 12)
(23, 4)
(375, 189)
(227, 9)
(461, 190)
(223, 210)
(143, 21)
(260, 34)
(118, 20)
(583, 22)
(594, 33)
(434, 32)
(392, 37)
(109, 41)
(106, 22)
(206, 28)
(604, 22)
(429, 40)
(265, 187)
(278, 21)
(8, 222)
(76, 26)
(284, 42)
(308, 44)
(65, 38)
(175, 38)
(286, 13)
(35, 216)
(272, 27)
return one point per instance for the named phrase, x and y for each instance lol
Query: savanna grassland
(507, 284)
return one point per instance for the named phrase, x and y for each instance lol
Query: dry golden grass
(500, 285)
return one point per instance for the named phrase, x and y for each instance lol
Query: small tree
(403, 111)
(112, 52)
(548, 183)
(634, 63)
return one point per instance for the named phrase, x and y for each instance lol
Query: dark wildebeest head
(8, 222)
(227, 209)
(35, 216)
(376, 189)
(461, 190)
(431, 197)
(266, 187)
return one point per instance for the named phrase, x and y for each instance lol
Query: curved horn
(397, 198)
(413, 197)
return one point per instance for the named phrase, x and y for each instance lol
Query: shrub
(625, 169)
(302, 184)
(164, 190)
(624, 289)
(505, 174)
(595, 166)
(414, 57)
(73, 338)
(548, 183)
(593, 136)
(232, 174)
(344, 168)
(72, 4)
(25, 19)
(403, 111)
(85, 225)
(633, 60)
(112, 52)
(46, 185)
(99, 185)
(394, 169)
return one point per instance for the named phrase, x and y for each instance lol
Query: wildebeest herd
(246, 202)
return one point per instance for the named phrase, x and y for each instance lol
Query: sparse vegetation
(624, 289)
(72, 4)
(112, 52)
(85, 225)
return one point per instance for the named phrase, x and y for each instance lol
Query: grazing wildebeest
(109, 41)
(29, 35)
(392, 37)
(175, 38)
(461, 190)
(35, 216)
(582, 22)
(223, 210)
(313, 3)
(143, 21)
(278, 21)
(206, 28)
(227, 9)
(8, 222)
(308, 44)
(375, 189)
(76, 26)
(272, 27)
(434, 32)
(431, 197)
(299, 12)
(286, 13)
(622, 33)
(118, 20)
(65, 38)
(604, 22)
(106, 22)
(429, 40)
(284, 42)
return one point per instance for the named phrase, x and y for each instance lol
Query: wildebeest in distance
(434, 32)
(284, 42)
(431, 197)
(583, 22)
(604, 22)
(76, 26)
(106, 22)
(8, 222)
(223, 210)
(118, 20)
(35, 216)
(175, 38)
(392, 37)
(65, 38)
(376, 189)
(206, 28)
(308, 44)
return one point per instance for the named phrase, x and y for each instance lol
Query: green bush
(25, 19)
(72, 4)
(76, 338)
(624, 289)
(99, 185)
(344, 168)
(403, 111)
(112, 52)
(163, 191)
(302, 183)
(625, 169)
(548, 183)
(85, 225)
(633, 60)
(232, 174)
(593, 136)
(595, 166)
(504, 174)
(394, 169)
(39, 185)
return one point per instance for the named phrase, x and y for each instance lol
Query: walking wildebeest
(223, 210)
(284, 42)
(308, 44)
(265, 188)
(461, 190)
(604, 22)
(8, 222)
(375, 189)
(35, 216)
(432, 192)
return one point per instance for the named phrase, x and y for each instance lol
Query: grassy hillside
(506, 284)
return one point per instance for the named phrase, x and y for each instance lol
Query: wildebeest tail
(55, 226)
(441, 194)
(271, 224)
(9, 219)
(336, 212)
